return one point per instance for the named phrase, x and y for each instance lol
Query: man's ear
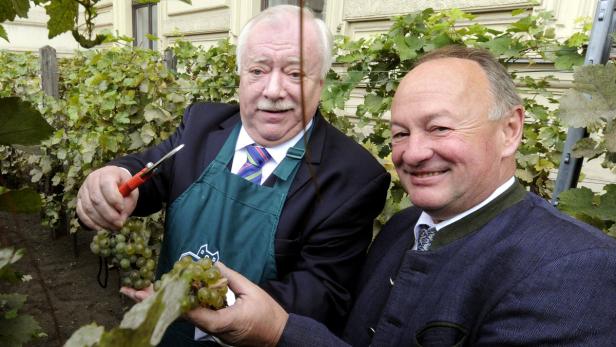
(512, 130)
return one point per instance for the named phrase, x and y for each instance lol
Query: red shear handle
(132, 183)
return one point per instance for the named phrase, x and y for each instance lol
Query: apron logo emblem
(202, 253)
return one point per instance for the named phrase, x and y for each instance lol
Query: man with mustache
(268, 187)
(478, 260)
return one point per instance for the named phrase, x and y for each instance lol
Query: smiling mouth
(274, 111)
(427, 174)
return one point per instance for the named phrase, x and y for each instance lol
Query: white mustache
(280, 105)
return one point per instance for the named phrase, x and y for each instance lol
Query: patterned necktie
(426, 234)
(256, 158)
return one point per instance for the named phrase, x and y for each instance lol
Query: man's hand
(138, 295)
(254, 320)
(99, 202)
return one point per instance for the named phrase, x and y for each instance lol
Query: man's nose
(418, 149)
(274, 89)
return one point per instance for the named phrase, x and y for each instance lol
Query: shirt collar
(425, 218)
(277, 152)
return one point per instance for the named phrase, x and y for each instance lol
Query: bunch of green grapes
(207, 286)
(129, 251)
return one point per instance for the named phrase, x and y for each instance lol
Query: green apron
(225, 217)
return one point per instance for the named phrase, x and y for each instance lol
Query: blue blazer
(530, 276)
(327, 220)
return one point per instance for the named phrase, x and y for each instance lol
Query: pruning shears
(145, 174)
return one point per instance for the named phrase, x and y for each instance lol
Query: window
(145, 21)
(315, 5)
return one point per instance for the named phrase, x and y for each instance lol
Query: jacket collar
(479, 218)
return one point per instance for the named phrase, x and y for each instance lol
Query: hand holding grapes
(254, 319)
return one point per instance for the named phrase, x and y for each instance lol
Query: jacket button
(391, 282)
(371, 331)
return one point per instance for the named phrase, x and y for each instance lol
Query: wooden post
(171, 61)
(49, 71)
(49, 85)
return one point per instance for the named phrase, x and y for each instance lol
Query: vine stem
(39, 275)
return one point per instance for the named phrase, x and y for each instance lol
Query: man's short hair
(281, 13)
(502, 88)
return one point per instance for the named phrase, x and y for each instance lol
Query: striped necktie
(425, 236)
(256, 158)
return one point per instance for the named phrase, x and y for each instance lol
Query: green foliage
(596, 209)
(62, 16)
(19, 77)
(543, 139)
(21, 124)
(108, 109)
(9, 10)
(207, 75)
(20, 201)
(591, 104)
(592, 99)
(15, 329)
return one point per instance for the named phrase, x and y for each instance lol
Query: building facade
(207, 21)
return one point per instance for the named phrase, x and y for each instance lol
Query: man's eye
(256, 72)
(295, 75)
(440, 129)
(399, 135)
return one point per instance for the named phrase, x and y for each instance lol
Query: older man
(269, 187)
(477, 261)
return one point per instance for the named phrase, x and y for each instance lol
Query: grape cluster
(207, 286)
(129, 251)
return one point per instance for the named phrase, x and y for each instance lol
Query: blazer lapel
(217, 138)
(312, 157)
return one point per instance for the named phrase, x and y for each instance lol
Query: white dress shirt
(277, 152)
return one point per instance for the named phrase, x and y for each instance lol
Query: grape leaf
(499, 45)
(404, 51)
(524, 175)
(373, 103)
(3, 34)
(20, 201)
(11, 8)
(578, 110)
(21, 124)
(566, 58)
(593, 97)
(607, 204)
(86, 336)
(9, 256)
(19, 330)
(576, 200)
(62, 15)
(586, 148)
